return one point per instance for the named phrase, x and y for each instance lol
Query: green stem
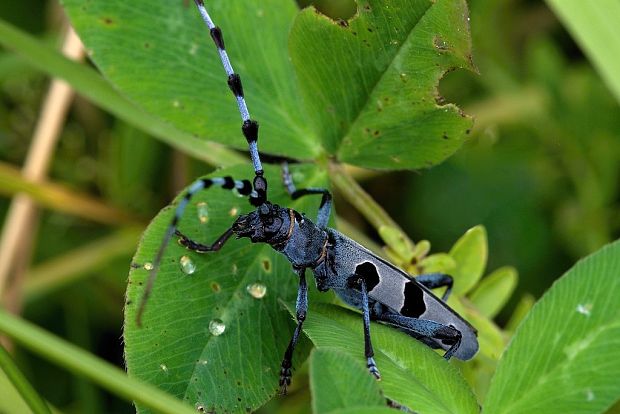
(83, 363)
(30, 396)
(88, 83)
(362, 201)
(61, 198)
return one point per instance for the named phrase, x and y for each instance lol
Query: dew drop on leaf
(217, 327)
(203, 212)
(187, 265)
(164, 368)
(148, 266)
(257, 290)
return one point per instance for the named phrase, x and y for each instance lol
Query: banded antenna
(249, 127)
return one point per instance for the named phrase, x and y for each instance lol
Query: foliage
(539, 171)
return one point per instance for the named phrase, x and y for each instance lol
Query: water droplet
(590, 395)
(187, 265)
(217, 327)
(403, 77)
(584, 309)
(203, 362)
(148, 266)
(203, 212)
(193, 49)
(234, 269)
(164, 368)
(200, 408)
(257, 290)
(234, 211)
(176, 103)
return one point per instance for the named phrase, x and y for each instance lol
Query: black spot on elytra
(414, 301)
(369, 272)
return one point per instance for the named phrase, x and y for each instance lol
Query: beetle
(382, 291)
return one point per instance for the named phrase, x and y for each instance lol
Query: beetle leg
(301, 308)
(203, 248)
(435, 280)
(369, 352)
(326, 201)
(445, 334)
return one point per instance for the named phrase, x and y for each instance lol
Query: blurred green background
(540, 172)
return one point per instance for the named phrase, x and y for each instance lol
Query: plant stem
(361, 200)
(83, 363)
(21, 383)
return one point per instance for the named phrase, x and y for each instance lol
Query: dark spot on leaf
(445, 136)
(108, 21)
(376, 133)
(370, 30)
(135, 266)
(266, 265)
(343, 23)
(354, 33)
(440, 44)
(468, 131)
(215, 287)
(367, 8)
(146, 45)
(129, 302)
(239, 399)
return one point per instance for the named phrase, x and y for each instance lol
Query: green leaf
(494, 291)
(412, 374)
(564, 356)
(175, 348)
(470, 254)
(340, 381)
(438, 263)
(370, 85)
(88, 83)
(159, 55)
(594, 25)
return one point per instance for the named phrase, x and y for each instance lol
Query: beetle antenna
(249, 127)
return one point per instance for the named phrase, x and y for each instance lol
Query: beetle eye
(263, 210)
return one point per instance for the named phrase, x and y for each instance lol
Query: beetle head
(269, 223)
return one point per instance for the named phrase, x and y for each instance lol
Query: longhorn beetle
(379, 289)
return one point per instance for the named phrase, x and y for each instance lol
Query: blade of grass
(594, 26)
(71, 267)
(88, 83)
(21, 384)
(83, 363)
(60, 198)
